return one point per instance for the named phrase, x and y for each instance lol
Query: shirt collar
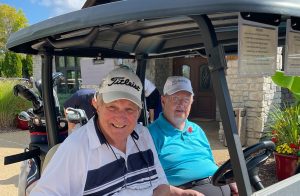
(98, 131)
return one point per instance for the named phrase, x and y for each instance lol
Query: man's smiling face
(117, 119)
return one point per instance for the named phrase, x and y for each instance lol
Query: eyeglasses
(178, 100)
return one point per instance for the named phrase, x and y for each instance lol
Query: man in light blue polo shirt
(182, 146)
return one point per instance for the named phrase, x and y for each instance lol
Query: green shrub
(12, 65)
(27, 66)
(10, 105)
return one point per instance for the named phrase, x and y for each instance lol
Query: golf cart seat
(49, 156)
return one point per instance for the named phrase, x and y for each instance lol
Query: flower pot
(285, 165)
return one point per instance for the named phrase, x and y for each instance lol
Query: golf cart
(143, 30)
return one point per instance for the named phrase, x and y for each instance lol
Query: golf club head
(31, 113)
(24, 116)
(57, 77)
(28, 94)
(76, 116)
(38, 85)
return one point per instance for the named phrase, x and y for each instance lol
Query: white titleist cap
(121, 83)
(177, 83)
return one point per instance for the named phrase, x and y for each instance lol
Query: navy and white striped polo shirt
(85, 164)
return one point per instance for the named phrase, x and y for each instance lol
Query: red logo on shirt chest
(190, 129)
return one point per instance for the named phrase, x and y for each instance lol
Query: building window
(205, 81)
(70, 68)
(186, 71)
(70, 61)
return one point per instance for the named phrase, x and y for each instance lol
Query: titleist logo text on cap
(123, 81)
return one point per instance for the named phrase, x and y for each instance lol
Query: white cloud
(59, 7)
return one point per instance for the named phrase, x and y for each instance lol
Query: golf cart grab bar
(85, 40)
(22, 156)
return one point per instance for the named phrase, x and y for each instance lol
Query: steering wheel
(255, 156)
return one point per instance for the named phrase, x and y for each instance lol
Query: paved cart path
(11, 143)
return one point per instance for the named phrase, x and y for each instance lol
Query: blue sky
(39, 10)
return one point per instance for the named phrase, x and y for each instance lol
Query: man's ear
(94, 102)
(163, 100)
(140, 112)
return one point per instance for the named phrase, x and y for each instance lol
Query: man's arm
(234, 189)
(71, 126)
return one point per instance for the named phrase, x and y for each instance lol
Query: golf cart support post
(143, 29)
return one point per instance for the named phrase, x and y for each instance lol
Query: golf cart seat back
(49, 156)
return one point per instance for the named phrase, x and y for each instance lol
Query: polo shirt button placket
(125, 174)
(182, 136)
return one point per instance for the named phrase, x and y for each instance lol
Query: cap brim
(179, 88)
(116, 95)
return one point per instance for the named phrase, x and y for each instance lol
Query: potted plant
(285, 128)
(285, 133)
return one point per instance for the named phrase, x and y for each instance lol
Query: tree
(11, 20)
(12, 65)
(1, 62)
(27, 66)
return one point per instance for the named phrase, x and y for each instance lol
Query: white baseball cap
(121, 83)
(177, 83)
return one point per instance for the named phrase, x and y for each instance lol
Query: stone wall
(254, 94)
(37, 67)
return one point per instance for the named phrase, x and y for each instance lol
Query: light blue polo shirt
(185, 155)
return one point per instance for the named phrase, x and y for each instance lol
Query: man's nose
(182, 102)
(121, 114)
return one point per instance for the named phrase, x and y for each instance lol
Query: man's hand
(190, 192)
(234, 189)
(164, 190)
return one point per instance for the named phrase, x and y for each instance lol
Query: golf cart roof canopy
(123, 29)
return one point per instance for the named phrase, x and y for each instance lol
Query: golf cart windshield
(143, 29)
